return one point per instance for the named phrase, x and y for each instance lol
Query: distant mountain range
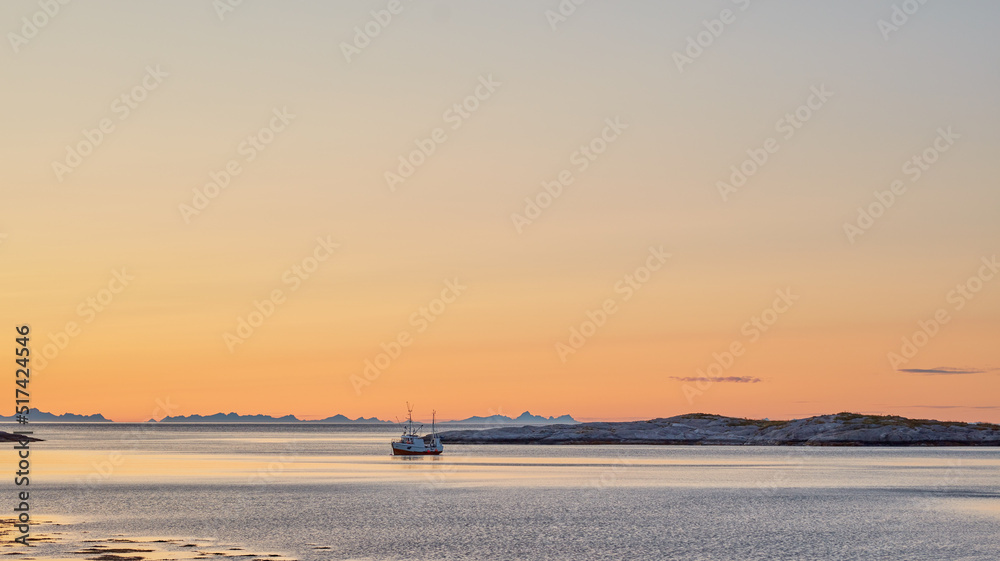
(235, 418)
(36, 416)
(526, 418)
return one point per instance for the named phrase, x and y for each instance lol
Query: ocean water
(283, 492)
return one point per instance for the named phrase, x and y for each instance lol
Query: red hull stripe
(409, 453)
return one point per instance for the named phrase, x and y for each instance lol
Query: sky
(616, 210)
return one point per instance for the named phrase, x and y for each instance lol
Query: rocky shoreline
(843, 429)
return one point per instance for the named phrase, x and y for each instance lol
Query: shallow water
(334, 492)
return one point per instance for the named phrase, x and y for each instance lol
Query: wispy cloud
(733, 379)
(946, 371)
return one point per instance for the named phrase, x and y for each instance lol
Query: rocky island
(8, 437)
(843, 429)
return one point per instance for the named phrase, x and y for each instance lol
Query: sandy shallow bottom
(52, 540)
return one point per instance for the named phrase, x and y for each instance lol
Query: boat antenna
(433, 413)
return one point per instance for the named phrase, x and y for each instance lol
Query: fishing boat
(412, 444)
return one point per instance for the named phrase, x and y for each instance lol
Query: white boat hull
(401, 450)
(416, 446)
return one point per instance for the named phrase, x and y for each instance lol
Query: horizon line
(299, 419)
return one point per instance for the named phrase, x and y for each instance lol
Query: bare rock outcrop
(843, 429)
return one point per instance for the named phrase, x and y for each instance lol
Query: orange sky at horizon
(575, 237)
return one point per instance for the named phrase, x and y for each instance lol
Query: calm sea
(277, 492)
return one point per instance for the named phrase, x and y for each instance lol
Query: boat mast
(409, 418)
(433, 413)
